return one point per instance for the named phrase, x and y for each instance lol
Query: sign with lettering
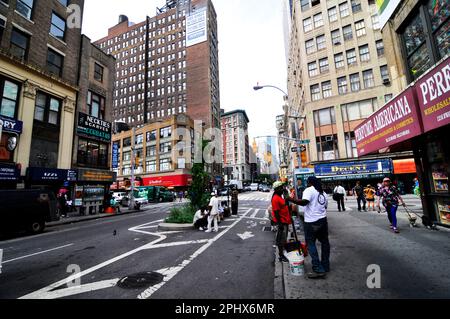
(354, 169)
(9, 173)
(395, 122)
(115, 155)
(433, 95)
(85, 175)
(11, 125)
(196, 27)
(94, 128)
(38, 174)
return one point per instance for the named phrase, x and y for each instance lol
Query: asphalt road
(86, 260)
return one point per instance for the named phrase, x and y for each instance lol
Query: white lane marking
(38, 253)
(257, 218)
(1, 260)
(255, 213)
(246, 235)
(76, 290)
(41, 293)
(171, 272)
(179, 243)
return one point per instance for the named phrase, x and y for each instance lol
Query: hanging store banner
(10, 125)
(196, 27)
(9, 172)
(433, 95)
(386, 9)
(394, 123)
(94, 128)
(115, 156)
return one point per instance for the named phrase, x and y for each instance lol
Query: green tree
(198, 192)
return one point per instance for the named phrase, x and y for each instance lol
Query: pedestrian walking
(181, 196)
(234, 200)
(339, 195)
(390, 198)
(62, 204)
(213, 213)
(358, 191)
(280, 217)
(316, 226)
(369, 193)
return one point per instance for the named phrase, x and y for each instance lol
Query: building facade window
(339, 60)
(336, 36)
(98, 72)
(323, 65)
(332, 14)
(310, 47)
(150, 167)
(355, 84)
(304, 5)
(315, 92)
(58, 27)
(343, 9)
(9, 98)
(95, 105)
(151, 136)
(19, 44)
(360, 27)
(375, 22)
(351, 57)
(347, 31)
(380, 48)
(307, 25)
(356, 6)
(312, 69)
(55, 62)
(165, 164)
(364, 54)
(358, 110)
(166, 132)
(342, 85)
(151, 150)
(326, 89)
(321, 42)
(25, 8)
(327, 147)
(384, 73)
(92, 154)
(318, 20)
(368, 79)
(47, 109)
(324, 117)
(165, 147)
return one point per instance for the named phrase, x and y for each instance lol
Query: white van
(254, 187)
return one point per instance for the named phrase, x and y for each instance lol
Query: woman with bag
(338, 196)
(390, 197)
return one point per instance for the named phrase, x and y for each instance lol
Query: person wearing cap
(280, 217)
(213, 213)
(316, 226)
(390, 197)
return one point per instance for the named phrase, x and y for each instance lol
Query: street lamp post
(133, 154)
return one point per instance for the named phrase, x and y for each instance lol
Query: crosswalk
(255, 196)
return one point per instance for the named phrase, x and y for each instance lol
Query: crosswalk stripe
(254, 214)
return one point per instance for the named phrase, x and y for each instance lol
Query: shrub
(181, 215)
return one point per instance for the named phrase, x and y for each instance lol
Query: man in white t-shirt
(213, 213)
(316, 226)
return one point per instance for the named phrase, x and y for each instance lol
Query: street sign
(304, 141)
(302, 149)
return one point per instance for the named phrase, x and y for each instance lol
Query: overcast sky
(251, 50)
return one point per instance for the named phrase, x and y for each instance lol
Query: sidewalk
(74, 217)
(412, 263)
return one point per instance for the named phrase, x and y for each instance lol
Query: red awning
(168, 181)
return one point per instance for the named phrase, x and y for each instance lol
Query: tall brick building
(167, 64)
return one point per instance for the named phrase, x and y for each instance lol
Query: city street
(237, 262)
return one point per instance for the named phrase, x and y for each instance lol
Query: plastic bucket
(296, 263)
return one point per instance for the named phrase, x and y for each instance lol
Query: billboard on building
(385, 10)
(196, 27)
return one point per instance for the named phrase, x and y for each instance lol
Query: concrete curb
(175, 227)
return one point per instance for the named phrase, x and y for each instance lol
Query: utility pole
(133, 154)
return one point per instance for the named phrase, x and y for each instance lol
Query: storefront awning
(168, 180)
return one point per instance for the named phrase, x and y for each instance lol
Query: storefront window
(439, 11)
(443, 207)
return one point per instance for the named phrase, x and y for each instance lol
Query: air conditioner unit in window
(386, 81)
(337, 42)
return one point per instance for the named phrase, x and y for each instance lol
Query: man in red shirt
(281, 217)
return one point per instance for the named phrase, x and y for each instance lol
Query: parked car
(224, 191)
(118, 196)
(138, 200)
(27, 210)
(265, 189)
(254, 187)
(247, 189)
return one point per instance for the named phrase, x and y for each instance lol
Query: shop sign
(10, 125)
(353, 170)
(394, 123)
(386, 9)
(196, 27)
(96, 176)
(433, 95)
(95, 128)
(115, 155)
(404, 166)
(168, 181)
(37, 174)
(9, 173)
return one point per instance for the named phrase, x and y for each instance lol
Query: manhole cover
(140, 280)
